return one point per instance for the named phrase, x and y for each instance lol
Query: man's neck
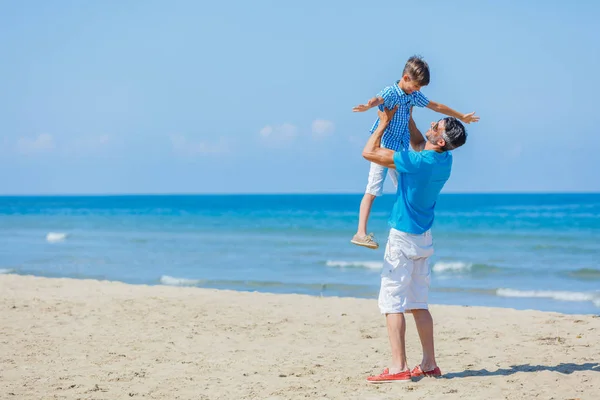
(433, 147)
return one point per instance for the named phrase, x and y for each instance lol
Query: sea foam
(549, 294)
(54, 237)
(440, 266)
(172, 281)
(355, 264)
(455, 266)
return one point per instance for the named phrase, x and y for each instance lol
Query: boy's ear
(406, 78)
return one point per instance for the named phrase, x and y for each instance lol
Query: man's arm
(443, 109)
(373, 150)
(417, 141)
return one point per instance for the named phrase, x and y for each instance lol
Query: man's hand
(374, 102)
(468, 118)
(386, 115)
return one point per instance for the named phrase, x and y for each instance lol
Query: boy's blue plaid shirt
(397, 136)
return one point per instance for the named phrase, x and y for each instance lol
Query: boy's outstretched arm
(443, 109)
(374, 102)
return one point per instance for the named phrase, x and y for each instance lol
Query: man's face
(408, 85)
(436, 131)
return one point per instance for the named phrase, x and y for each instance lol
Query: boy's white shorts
(377, 175)
(406, 274)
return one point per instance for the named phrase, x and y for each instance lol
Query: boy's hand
(471, 117)
(374, 102)
(361, 108)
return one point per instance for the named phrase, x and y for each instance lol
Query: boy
(405, 94)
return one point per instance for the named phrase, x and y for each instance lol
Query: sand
(86, 339)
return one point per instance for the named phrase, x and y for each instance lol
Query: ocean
(523, 251)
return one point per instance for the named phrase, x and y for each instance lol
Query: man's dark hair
(455, 132)
(418, 70)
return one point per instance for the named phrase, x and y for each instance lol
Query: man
(406, 274)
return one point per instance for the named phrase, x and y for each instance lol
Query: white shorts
(406, 274)
(377, 175)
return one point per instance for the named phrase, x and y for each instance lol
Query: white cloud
(184, 146)
(88, 143)
(42, 143)
(321, 128)
(279, 133)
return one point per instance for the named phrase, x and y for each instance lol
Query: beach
(89, 339)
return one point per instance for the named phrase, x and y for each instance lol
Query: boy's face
(408, 85)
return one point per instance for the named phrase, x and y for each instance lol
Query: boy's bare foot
(365, 241)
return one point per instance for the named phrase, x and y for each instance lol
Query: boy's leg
(364, 212)
(377, 175)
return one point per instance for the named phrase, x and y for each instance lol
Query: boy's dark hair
(418, 70)
(455, 132)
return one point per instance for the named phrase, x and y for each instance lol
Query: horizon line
(274, 194)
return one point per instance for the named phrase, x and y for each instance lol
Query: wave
(172, 281)
(516, 214)
(471, 214)
(354, 290)
(455, 266)
(549, 294)
(585, 273)
(6, 271)
(459, 266)
(564, 249)
(54, 237)
(548, 207)
(556, 215)
(355, 264)
(439, 267)
(322, 289)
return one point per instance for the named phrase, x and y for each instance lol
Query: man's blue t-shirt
(422, 177)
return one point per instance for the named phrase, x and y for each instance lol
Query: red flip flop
(418, 372)
(386, 377)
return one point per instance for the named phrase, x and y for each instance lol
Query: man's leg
(421, 278)
(396, 325)
(377, 175)
(424, 323)
(395, 284)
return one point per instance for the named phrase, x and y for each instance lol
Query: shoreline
(83, 338)
(163, 281)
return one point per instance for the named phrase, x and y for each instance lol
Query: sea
(521, 251)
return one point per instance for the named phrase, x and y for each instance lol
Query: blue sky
(256, 97)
